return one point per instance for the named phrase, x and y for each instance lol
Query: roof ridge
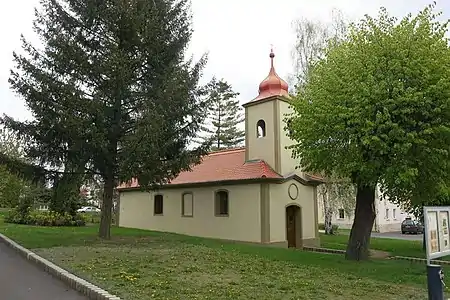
(252, 161)
(225, 151)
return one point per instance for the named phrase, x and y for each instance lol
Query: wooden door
(290, 226)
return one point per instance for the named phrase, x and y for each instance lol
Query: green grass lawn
(138, 264)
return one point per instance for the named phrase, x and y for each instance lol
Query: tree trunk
(105, 221)
(116, 201)
(328, 224)
(328, 214)
(359, 240)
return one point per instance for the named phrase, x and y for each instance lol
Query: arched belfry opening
(264, 130)
(260, 129)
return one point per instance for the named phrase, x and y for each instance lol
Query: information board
(437, 236)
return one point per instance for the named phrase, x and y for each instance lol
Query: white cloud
(237, 34)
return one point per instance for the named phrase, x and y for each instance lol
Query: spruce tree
(224, 116)
(111, 92)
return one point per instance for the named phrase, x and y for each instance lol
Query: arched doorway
(293, 226)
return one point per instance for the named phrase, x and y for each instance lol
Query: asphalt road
(398, 236)
(21, 280)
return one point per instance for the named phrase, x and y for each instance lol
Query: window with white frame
(386, 214)
(187, 205)
(394, 214)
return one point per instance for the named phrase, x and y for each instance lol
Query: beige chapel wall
(279, 200)
(260, 148)
(242, 224)
(287, 163)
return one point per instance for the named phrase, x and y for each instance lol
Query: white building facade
(389, 216)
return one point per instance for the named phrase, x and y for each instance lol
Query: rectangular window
(394, 214)
(187, 205)
(386, 215)
(221, 203)
(158, 205)
(341, 214)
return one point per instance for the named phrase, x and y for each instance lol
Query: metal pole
(435, 278)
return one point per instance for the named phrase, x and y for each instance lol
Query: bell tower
(265, 137)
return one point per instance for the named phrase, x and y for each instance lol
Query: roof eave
(267, 99)
(276, 180)
(207, 183)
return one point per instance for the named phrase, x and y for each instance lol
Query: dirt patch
(379, 254)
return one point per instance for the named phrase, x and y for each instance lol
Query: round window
(293, 191)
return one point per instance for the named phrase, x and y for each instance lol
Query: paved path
(21, 280)
(398, 236)
(390, 235)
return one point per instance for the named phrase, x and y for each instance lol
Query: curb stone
(408, 258)
(323, 250)
(422, 260)
(88, 289)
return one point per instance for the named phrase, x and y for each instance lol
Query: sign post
(437, 241)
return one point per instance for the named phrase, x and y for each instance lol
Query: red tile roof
(221, 166)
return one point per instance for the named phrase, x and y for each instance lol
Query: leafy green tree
(224, 116)
(376, 109)
(24, 169)
(10, 144)
(12, 185)
(310, 45)
(65, 186)
(111, 92)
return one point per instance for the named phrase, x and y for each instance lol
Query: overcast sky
(236, 33)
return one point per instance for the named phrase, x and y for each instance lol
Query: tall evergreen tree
(111, 92)
(224, 115)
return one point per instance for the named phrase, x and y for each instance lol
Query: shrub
(334, 227)
(44, 218)
(13, 216)
(92, 217)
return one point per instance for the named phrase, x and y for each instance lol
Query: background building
(389, 216)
